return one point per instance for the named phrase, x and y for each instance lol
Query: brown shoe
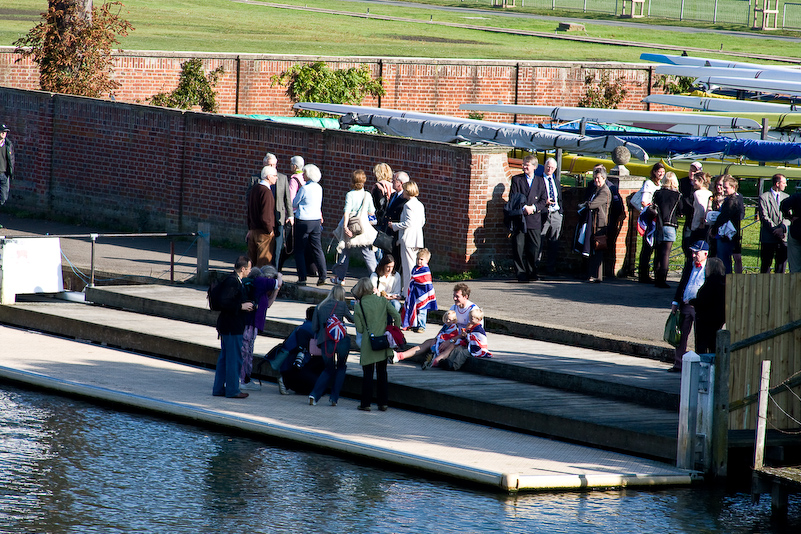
(242, 395)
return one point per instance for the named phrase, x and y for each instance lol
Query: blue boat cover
(752, 149)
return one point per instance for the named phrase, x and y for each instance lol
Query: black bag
(383, 241)
(379, 342)
(214, 295)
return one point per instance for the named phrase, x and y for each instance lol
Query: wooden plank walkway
(491, 457)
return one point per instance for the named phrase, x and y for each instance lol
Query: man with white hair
(283, 209)
(308, 205)
(261, 219)
(552, 216)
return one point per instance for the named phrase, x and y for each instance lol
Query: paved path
(619, 308)
(487, 456)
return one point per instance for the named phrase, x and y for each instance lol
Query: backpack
(334, 329)
(214, 295)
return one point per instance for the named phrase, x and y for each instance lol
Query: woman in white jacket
(410, 230)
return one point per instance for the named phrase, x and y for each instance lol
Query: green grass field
(229, 26)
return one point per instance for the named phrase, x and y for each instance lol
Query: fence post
(688, 410)
(720, 412)
(762, 416)
(203, 249)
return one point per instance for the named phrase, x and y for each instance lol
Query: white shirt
(697, 277)
(550, 188)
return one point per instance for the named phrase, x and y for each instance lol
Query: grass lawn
(229, 26)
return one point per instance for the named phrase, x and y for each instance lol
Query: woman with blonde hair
(335, 352)
(410, 230)
(358, 207)
(666, 205)
(382, 189)
(371, 313)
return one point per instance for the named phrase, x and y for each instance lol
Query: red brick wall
(425, 85)
(142, 168)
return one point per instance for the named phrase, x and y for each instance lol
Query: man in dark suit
(552, 216)
(526, 243)
(393, 214)
(692, 278)
(687, 191)
(773, 231)
(283, 209)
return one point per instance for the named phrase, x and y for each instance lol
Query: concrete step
(602, 373)
(590, 419)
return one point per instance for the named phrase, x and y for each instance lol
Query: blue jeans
(226, 377)
(340, 270)
(334, 373)
(422, 315)
(724, 252)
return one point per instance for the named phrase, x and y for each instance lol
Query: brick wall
(425, 85)
(142, 168)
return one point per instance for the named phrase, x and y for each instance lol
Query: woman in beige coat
(370, 315)
(410, 230)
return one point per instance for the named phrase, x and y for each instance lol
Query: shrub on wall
(315, 82)
(72, 46)
(605, 93)
(195, 88)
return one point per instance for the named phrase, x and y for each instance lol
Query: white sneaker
(281, 386)
(312, 402)
(394, 358)
(250, 386)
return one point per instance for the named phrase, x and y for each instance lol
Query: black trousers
(308, 243)
(770, 251)
(525, 252)
(380, 369)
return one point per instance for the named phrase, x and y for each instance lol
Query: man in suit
(392, 214)
(551, 217)
(791, 210)
(526, 242)
(773, 233)
(692, 278)
(6, 163)
(283, 209)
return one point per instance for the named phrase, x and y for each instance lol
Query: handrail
(753, 340)
(764, 336)
(95, 236)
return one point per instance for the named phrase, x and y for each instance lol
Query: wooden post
(203, 249)
(688, 410)
(762, 416)
(720, 412)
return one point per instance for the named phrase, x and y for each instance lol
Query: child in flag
(420, 295)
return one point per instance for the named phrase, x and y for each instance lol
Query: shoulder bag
(377, 343)
(355, 223)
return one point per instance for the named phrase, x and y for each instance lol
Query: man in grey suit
(283, 209)
(773, 234)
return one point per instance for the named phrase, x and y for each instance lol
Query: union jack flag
(420, 295)
(477, 342)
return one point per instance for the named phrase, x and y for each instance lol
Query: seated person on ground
(297, 358)
(476, 340)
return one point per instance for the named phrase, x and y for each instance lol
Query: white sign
(29, 265)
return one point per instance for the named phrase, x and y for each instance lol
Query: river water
(67, 466)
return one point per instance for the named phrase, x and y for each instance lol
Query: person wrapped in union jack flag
(420, 295)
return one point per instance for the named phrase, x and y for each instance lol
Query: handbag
(599, 242)
(377, 343)
(672, 334)
(355, 223)
(636, 200)
(383, 241)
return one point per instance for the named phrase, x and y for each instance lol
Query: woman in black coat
(665, 207)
